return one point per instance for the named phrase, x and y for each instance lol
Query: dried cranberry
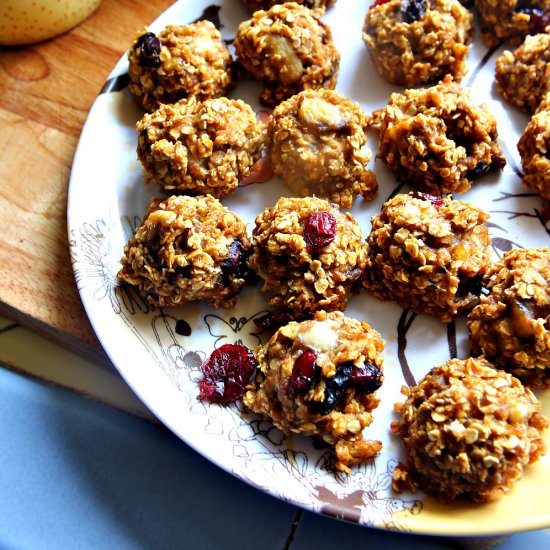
(379, 3)
(302, 373)
(226, 373)
(497, 163)
(235, 265)
(319, 230)
(538, 20)
(366, 378)
(412, 10)
(436, 201)
(150, 47)
(273, 320)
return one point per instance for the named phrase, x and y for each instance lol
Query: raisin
(412, 10)
(435, 200)
(226, 373)
(302, 373)
(150, 47)
(497, 163)
(538, 20)
(273, 320)
(319, 230)
(235, 266)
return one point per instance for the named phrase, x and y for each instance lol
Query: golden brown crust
(200, 147)
(256, 5)
(510, 325)
(436, 139)
(523, 76)
(298, 279)
(534, 150)
(421, 51)
(193, 61)
(186, 249)
(504, 20)
(273, 396)
(290, 49)
(316, 141)
(469, 430)
(427, 257)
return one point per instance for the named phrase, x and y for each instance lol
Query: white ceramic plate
(107, 198)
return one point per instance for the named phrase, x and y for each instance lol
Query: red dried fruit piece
(436, 201)
(302, 372)
(319, 230)
(367, 377)
(273, 320)
(226, 373)
(379, 3)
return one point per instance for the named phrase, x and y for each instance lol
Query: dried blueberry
(150, 48)
(319, 230)
(335, 389)
(412, 10)
(226, 373)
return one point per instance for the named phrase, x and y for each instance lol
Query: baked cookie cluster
(413, 42)
(469, 430)
(437, 139)
(319, 378)
(179, 62)
(289, 49)
(316, 141)
(428, 254)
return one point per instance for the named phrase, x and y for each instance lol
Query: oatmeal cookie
(414, 42)
(511, 325)
(534, 150)
(318, 378)
(511, 20)
(469, 430)
(200, 147)
(187, 248)
(316, 141)
(523, 76)
(428, 254)
(309, 255)
(181, 61)
(256, 5)
(436, 139)
(290, 49)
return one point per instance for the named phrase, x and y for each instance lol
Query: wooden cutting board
(46, 90)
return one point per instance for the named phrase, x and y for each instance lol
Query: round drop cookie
(511, 20)
(266, 4)
(316, 142)
(414, 42)
(511, 324)
(200, 147)
(181, 61)
(428, 254)
(523, 76)
(309, 255)
(290, 49)
(534, 150)
(436, 139)
(469, 430)
(187, 248)
(319, 378)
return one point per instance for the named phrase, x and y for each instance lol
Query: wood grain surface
(46, 90)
